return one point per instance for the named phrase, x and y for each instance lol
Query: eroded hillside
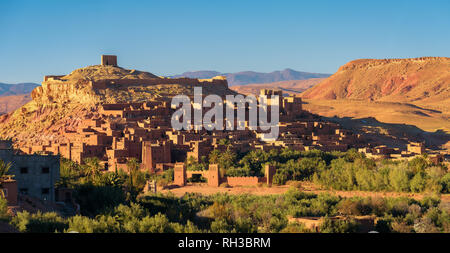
(62, 102)
(420, 80)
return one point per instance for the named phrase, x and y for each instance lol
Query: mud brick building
(142, 131)
(215, 179)
(36, 175)
(118, 132)
(8, 190)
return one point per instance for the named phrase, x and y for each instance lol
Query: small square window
(23, 191)
(45, 170)
(24, 170)
(45, 190)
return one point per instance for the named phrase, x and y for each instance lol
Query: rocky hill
(424, 79)
(62, 102)
(251, 77)
(395, 91)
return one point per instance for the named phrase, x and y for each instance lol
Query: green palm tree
(92, 167)
(133, 166)
(4, 168)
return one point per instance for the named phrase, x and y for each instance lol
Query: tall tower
(109, 60)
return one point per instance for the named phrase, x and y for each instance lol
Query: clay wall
(241, 181)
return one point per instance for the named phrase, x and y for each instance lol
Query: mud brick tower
(179, 177)
(214, 175)
(109, 60)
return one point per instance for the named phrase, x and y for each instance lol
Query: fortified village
(132, 120)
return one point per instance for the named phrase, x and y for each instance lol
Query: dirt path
(305, 187)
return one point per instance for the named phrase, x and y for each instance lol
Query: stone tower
(109, 60)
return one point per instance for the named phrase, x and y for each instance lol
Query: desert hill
(424, 80)
(288, 87)
(62, 102)
(394, 91)
(98, 72)
(252, 77)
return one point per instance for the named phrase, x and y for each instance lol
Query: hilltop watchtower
(109, 60)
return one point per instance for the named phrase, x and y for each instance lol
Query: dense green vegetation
(224, 213)
(112, 201)
(4, 171)
(3, 209)
(349, 170)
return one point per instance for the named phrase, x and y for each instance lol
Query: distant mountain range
(250, 77)
(13, 96)
(288, 87)
(16, 89)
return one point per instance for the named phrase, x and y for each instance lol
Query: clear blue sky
(169, 37)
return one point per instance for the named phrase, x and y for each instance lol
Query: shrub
(39, 222)
(349, 207)
(221, 225)
(295, 228)
(158, 224)
(402, 227)
(338, 226)
(418, 182)
(399, 179)
(425, 225)
(378, 205)
(3, 209)
(101, 224)
(445, 182)
(280, 177)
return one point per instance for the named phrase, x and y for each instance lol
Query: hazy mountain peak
(249, 77)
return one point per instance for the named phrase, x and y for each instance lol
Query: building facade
(35, 174)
